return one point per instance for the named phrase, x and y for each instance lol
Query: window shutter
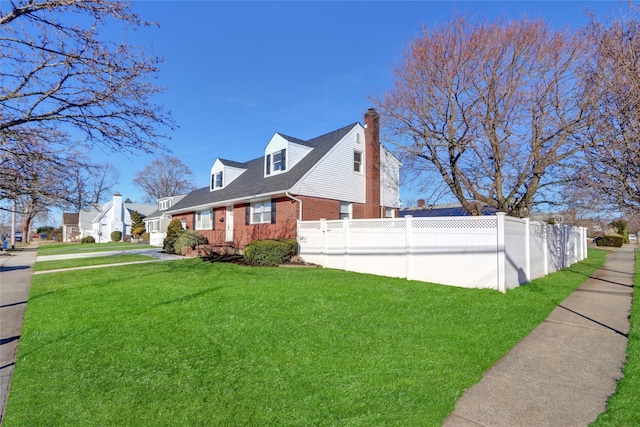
(247, 214)
(268, 164)
(273, 211)
(194, 222)
(284, 160)
(213, 219)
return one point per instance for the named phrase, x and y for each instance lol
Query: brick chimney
(372, 158)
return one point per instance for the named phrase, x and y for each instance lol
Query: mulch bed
(241, 260)
(232, 259)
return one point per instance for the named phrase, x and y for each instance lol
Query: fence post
(347, 244)
(501, 266)
(527, 250)
(323, 229)
(408, 246)
(545, 248)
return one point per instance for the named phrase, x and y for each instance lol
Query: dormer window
(276, 162)
(163, 205)
(216, 180)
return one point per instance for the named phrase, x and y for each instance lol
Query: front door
(229, 222)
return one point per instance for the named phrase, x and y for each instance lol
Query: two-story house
(346, 173)
(157, 222)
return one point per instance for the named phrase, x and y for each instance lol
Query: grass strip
(623, 408)
(74, 248)
(82, 262)
(193, 343)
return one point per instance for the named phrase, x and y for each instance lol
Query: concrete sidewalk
(15, 280)
(563, 372)
(151, 252)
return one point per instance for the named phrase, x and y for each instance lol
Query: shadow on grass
(190, 297)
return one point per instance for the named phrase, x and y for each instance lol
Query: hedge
(271, 251)
(614, 241)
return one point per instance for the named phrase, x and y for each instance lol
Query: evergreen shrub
(187, 239)
(116, 236)
(174, 227)
(612, 240)
(269, 252)
(88, 239)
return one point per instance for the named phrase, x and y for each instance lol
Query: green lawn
(185, 343)
(82, 262)
(74, 248)
(623, 407)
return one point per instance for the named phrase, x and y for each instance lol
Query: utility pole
(13, 225)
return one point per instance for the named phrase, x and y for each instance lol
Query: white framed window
(153, 225)
(389, 212)
(204, 220)
(216, 180)
(261, 212)
(345, 210)
(276, 162)
(357, 161)
(163, 204)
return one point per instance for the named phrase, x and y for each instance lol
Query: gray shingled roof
(70, 218)
(253, 183)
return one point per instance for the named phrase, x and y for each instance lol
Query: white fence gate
(497, 252)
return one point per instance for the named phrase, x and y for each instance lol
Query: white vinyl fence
(497, 252)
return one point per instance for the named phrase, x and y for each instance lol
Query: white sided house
(101, 220)
(346, 173)
(157, 222)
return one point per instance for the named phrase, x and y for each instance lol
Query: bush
(146, 237)
(116, 236)
(293, 245)
(174, 227)
(187, 239)
(88, 239)
(612, 240)
(269, 252)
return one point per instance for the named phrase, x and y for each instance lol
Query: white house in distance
(157, 222)
(101, 220)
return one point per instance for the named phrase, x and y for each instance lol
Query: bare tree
(90, 183)
(612, 174)
(164, 177)
(60, 78)
(490, 109)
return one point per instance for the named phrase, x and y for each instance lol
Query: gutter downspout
(296, 200)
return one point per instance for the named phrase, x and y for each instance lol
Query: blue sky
(237, 72)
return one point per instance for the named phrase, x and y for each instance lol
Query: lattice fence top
(309, 225)
(382, 224)
(463, 223)
(466, 223)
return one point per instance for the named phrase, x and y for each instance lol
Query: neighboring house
(346, 173)
(101, 220)
(156, 223)
(424, 210)
(70, 227)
